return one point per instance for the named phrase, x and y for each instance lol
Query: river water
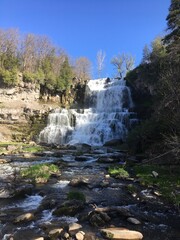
(85, 174)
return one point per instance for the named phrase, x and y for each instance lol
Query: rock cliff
(23, 109)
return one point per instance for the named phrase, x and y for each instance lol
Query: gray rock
(133, 220)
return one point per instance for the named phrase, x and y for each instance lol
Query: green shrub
(168, 181)
(40, 172)
(118, 172)
(76, 196)
(142, 136)
(9, 78)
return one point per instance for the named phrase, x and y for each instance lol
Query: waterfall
(105, 117)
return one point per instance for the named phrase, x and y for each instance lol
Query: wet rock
(74, 226)
(6, 190)
(80, 235)
(23, 189)
(98, 219)
(69, 208)
(3, 160)
(80, 182)
(24, 217)
(9, 190)
(113, 142)
(81, 158)
(29, 234)
(119, 210)
(133, 220)
(121, 233)
(27, 155)
(55, 232)
(7, 173)
(83, 147)
(107, 160)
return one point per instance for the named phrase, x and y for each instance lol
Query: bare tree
(123, 63)
(129, 62)
(28, 53)
(9, 40)
(118, 61)
(100, 61)
(82, 68)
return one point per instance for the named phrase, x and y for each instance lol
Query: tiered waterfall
(106, 117)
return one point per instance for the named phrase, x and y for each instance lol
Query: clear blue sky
(82, 27)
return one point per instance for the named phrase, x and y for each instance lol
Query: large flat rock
(121, 233)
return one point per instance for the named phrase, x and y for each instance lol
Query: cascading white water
(106, 118)
(58, 128)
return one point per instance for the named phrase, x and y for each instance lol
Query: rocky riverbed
(101, 207)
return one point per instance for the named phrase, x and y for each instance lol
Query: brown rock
(55, 232)
(24, 217)
(74, 226)
(80, 235)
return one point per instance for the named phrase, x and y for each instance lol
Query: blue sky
(83, 27)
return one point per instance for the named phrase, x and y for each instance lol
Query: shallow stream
(85, 174)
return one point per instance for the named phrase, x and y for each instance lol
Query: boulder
(69, 208)
(55, 232)
(99, 219)
(79, 182)
(107, 160)
(24, 217)
(6, 190)
(74, 226)
(83, 147)
(121, 233)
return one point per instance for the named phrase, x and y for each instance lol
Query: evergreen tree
(64, 79)
(172, 39)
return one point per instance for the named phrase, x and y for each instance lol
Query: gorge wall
(24, 108)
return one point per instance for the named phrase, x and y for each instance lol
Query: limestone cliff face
(24, 108)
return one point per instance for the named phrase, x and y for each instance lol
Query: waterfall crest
(105, 117)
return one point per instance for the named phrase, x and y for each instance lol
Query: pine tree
(172, 39)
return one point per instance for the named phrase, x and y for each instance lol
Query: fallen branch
(161, 155)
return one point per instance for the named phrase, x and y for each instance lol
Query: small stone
(155, 174)
(3, 161)
(80, 235)
(74, 226)
(66, 235)
(107, 176)
(157, 193)
(133, 220)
